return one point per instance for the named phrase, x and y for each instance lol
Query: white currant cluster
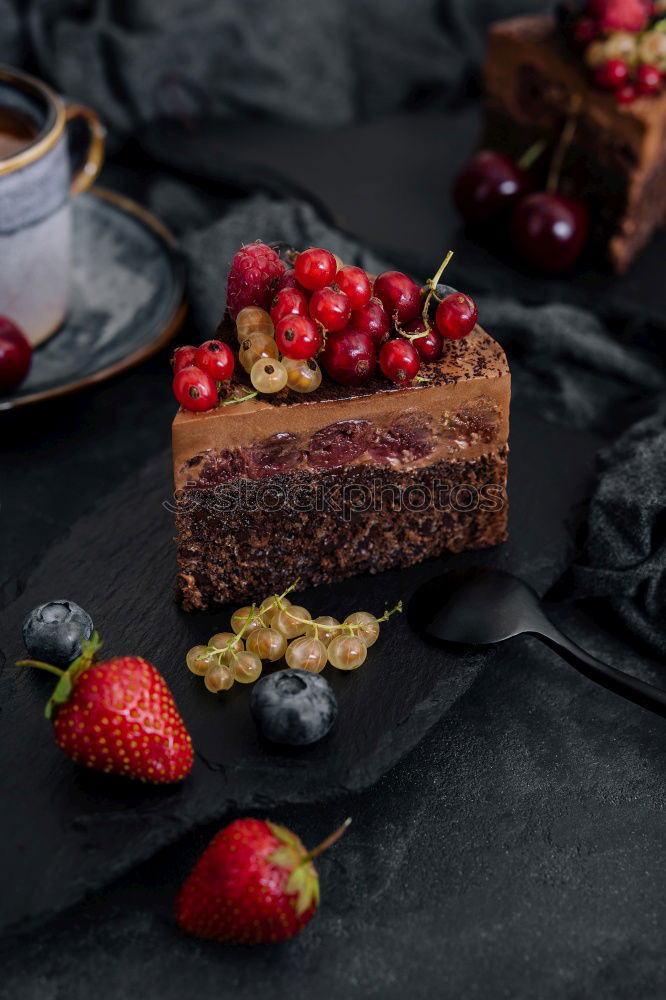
(278, 628)
(260, 357)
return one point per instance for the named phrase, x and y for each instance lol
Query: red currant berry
(195, 389)
(289, 302)
(355, 283)
(490, 183)
(288, 280)
(585, 31)
(15, 355)
(429, 347)
(626, 94)
(349, 357)
(612, 74)
(216, 359)
(315, 268)
(549, 231)
(183, 357)
(649, 79)
(399, 360)
(372, 319)
(456, 316)
(400, 296)
(297, 337)
(330, 308)
(596, 8)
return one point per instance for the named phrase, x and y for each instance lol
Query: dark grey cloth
(624, 557)
(323, 62)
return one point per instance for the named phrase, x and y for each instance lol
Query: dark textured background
(518, 849)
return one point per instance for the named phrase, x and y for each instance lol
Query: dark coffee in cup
(17, 130)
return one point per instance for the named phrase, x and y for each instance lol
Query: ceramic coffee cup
(37, 183)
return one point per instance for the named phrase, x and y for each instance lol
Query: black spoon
(482, 606)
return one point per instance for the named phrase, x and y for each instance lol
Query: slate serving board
(70, 831)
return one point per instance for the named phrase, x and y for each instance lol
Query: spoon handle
(617, 681)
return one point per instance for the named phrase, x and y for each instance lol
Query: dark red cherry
(372, 319)
(399, 294)
(549, 231)
(490, 183)
(15, 355)
(349, 356)
(399, 360)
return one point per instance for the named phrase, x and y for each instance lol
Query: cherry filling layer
(412, 438)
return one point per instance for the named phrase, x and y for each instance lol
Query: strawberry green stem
(41, 666)
(325, 844)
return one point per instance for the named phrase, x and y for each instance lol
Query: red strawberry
(255, 273)
(254, 884)
(118, 716)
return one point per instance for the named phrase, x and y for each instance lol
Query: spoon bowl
(484, 606)
(474, 607)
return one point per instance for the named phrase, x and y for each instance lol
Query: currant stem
(562, 148)
(325, 844)
(42, 666)
(352, 629)
(239, 399)
(432, 285)
(228, 647)
(410, 336)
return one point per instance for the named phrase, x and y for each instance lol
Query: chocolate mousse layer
(617, 160)
(342, 481)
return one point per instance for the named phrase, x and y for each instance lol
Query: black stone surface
(118, 562)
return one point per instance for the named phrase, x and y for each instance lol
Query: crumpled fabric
(324, 62)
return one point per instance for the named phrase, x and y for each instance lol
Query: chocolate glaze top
(478, 356)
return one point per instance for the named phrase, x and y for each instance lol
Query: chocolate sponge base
(246, 540)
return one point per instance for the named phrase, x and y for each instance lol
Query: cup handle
(86, 174)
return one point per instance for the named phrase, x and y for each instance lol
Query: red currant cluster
(198, 374)
(288, 320)
(352, 322)
(548, 230)
(623, 44)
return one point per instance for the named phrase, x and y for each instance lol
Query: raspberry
(624, 15)
(254, 275)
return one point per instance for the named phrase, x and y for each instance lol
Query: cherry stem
(325, 844)
(564, 142)
(42, 666)
(531, 155)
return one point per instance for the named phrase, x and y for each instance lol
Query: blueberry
(293, 706)
(444, 290)
(53, 632)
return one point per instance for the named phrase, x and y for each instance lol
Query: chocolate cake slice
(343, 480)
(616, 163)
